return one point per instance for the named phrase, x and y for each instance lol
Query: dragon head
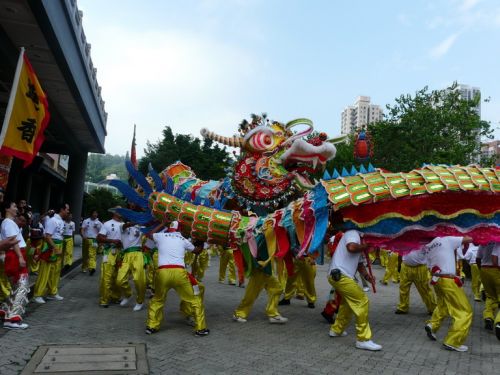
(274, 160)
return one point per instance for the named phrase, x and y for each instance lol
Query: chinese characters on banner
(27, 115)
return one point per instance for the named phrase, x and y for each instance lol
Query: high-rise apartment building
(468, 92)
(360, 114)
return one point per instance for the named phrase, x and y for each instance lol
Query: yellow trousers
(353, 302)
(391, 270)
(226, 259)
(279, 270)
(49, 275)
(89, 254)
(132, 264)
(186, 308)
(305, 271)
(176, 278)
(35, 247)
(491, 282)
(258, 281)
(151, 271)
(200, 265)
(476, 281)
(384, 257)
(68, 251)
(418, 275)
(108, 290)
(5, 287)
(452, 301)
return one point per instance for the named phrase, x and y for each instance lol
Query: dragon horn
(233, 141)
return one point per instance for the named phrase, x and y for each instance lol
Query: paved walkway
(300, 347)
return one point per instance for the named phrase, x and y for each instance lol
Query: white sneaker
(278, 319)
(55, 297)
(124, 302)
(39, 300)
(15, 325)
(368, 345)
(431, 335)
(335, 334)
(366, 289)
(138, 307)
(239, 319)
(461, 348)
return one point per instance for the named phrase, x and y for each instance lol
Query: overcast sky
(210, 63)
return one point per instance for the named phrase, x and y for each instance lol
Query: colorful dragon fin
(138, 177)
(362, 169)
(326, 175)
(156, 178)
(129, 193)
(344, 173)
(170, 185)
(134, 216)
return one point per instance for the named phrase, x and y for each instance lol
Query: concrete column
(73, 194)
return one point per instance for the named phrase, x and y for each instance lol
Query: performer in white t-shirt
(487, 261)
(346, 260)
(68, 241)
(172, 247)
(89, 231)
(15, 269)
(450, 296)
(470, 255)
(414, 271)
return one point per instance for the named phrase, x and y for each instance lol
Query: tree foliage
(99, 166)
(431, 127)
(101, 200)
(206, 159)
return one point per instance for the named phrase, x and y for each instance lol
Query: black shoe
(104, 305)
(311, 305)
(400, 312)
(431, 335)
(488, 324)
(327, 317)
(483, 295)
(150, 331)
(497, 330)
(91, 272)
(284, 302)
(202, 332)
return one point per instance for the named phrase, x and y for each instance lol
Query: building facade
(489, 149)
(468, 92)
(359, 115)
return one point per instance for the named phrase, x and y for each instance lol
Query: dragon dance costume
(89, 230)
(68, 243)
(490, 277)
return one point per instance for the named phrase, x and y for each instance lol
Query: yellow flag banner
(27, 115)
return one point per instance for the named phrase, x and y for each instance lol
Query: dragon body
(399, 211)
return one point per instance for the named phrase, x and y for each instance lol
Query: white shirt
(471, 254)
(112, 229)
(484, 253)
(55, 227)
(91, 227)
(171, 248)
(415, 258)
(9, 229)
(131, 237)
(496, 250)
(69, 228)
(343, 259)
(440, 252)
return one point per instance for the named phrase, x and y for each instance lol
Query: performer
(68, 241)
(470, 255)
(110, 236)
(89, 231)
(15, 268)
(172, 274)
(132, 264)
(227, 260)
(414, 271)
(487, 261)
(450, 296)
(36, 243)
(495, 259)
(304, 269)
(345, 261)
(391, 271)
(200, 262)
(51, 258)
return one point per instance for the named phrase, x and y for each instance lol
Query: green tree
(431, 127)
(99, 166)
(206, 159)
(101, 200)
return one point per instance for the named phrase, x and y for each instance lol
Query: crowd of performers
(159, 261)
